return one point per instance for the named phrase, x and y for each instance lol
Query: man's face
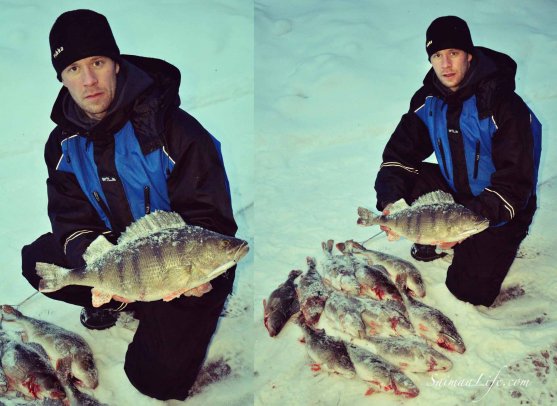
(450, 66)
(92, 84)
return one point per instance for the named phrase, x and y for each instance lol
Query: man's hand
(448, 245)
(200, 290)
(391, 235)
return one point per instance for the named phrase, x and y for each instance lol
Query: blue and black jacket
(485, 138)
(146, 154)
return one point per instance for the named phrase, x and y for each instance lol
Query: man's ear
(117, 67)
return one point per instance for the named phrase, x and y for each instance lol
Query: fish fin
(367, 218)
(174, 295)
(147, 225)
(53, 277)
(294, 274)
(399, 205)
(99, 297)
(97, 248)
(433, 197)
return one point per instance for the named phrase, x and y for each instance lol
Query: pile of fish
(361, 318)
(40, 360)
(166, 255)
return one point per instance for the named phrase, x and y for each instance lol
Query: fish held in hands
(158, 257)
(432, 219)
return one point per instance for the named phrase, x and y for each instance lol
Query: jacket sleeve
(512, 183)
(408, 146)
(75, 223)
(198, 187)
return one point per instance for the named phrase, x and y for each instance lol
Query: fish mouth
(451, 343)
(241, 252)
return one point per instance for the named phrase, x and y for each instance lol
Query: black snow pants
(172, 338)
(482, 261)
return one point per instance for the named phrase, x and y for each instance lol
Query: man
(121, 149)
(487, 144)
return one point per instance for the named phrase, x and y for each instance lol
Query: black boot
(425, 253)
(98, 319)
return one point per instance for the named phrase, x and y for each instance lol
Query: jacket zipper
(104, 207)
(442, 150)
(147, 197)
(476, 159)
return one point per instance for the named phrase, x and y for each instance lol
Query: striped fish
(434, 326)
(157, 257)
(26, 369)
(411, 354)
(405, 275)
(354, 276)
(328, 353)
(362, 317)
(432, 219)
(379, 374)
(61, 345)
(282, 304)
(312, 293)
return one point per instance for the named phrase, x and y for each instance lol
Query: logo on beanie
(57, 52)
(428, 43)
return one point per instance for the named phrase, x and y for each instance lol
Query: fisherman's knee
(161, 380)
(472, 288)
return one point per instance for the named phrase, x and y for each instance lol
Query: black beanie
(448, 32)
(80, 34)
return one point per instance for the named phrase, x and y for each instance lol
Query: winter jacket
(486, 140)
(146, 154)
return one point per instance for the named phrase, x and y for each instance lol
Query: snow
(323, 84)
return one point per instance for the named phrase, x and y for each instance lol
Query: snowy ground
(324, 110)
(331, 82)
(211, 42)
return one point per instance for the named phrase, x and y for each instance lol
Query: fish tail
(53, 277)
(367, 218)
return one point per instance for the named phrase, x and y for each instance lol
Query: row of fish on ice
(374, 327)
